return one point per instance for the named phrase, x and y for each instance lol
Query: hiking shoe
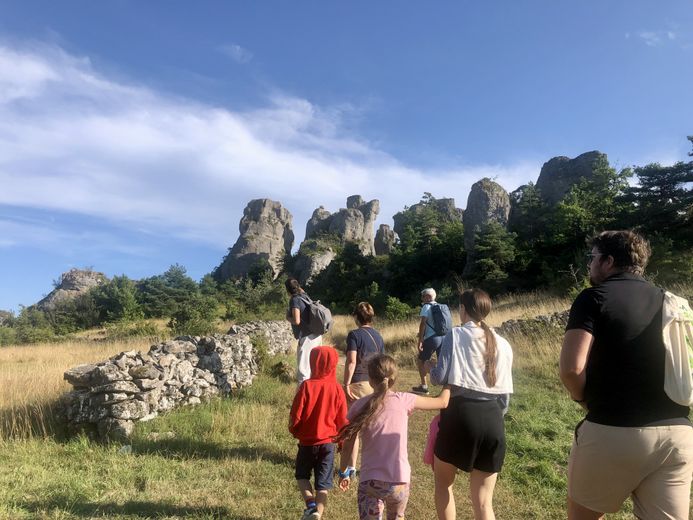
(421, 389)
(311, 514)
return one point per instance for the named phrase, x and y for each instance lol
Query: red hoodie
(319, 408)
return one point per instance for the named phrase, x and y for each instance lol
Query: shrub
(396, 310)
(137, 329)
(194, 317)
(8, 336)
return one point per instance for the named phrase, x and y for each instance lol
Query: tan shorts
(361, 389)
(654, 465)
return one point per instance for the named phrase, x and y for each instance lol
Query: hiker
(382, 419)
(476, 362)
(430, 333)
(634, 441)
(318, 413)
(361, 344)
(297, 314)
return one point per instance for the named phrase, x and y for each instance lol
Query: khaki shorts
(361, 389)
(653, 464)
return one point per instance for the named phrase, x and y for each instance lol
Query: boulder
(559, 174)
(266, 235)
(70, 285)
(488, 202)
(385, 240)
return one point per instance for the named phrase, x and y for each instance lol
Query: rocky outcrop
(71, 284)
(488, 202)
(266, 235)
(278, 334)
(385, 240)
(326, 232)
(444, 207)
(559, 174)
(5, 317)
(111, 396)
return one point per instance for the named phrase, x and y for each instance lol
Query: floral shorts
(375, 496)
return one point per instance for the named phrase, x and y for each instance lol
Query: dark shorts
(431, 345)
(472, 435)
(318, 460)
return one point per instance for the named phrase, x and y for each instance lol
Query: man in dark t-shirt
(634, 441)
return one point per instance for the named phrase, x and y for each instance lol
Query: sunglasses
(592, 256)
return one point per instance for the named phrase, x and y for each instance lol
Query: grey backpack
(319, 316)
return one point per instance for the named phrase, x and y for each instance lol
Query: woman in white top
(476, 363)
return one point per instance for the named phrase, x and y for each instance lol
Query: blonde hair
(382, 373)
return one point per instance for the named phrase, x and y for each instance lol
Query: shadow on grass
(187, 448)
(131, 509)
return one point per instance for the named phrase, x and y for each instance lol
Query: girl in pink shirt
(382, 419)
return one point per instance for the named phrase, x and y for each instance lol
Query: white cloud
(73, 140)
(650, 38)
(236, 52)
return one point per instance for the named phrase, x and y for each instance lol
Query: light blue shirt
(428, 314)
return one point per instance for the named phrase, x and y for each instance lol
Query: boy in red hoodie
(317, 414)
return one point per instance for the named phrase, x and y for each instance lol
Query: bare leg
(444, 478)
(578, 512)
(481, 485)
(422, 370)
(321, 500)
(306, 489)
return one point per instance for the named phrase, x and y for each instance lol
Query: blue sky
(132, 134)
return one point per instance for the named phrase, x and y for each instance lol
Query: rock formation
(72, 283)
(5, 317)
(266, 235)
(385, 240)
(488, 202)
(326, 232)
(559, 174)
(111, 396)
(444, 207)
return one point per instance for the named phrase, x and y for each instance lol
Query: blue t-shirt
(426, 312)
(367, 342)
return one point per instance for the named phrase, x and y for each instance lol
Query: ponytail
(382, 371)
(489, 355)
(477, 304)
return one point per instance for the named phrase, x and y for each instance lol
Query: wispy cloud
(652, 39)
(74, 140)
(236, 52)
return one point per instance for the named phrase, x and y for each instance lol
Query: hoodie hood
(323, 362)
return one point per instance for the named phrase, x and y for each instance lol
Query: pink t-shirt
(384, 439)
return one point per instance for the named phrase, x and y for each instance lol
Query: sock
(310, 503)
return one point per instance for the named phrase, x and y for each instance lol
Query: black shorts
(318, 460)
(431, 345)
(472, 435)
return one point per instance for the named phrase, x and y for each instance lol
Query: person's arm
(295, 317)
(433, 403)
(422, 331)
(349, 368)
(347, 462)
(575, 352)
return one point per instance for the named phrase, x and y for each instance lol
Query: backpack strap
(375, 344)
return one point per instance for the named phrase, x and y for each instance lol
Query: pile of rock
(555, 322)
(280, 339)
(110, 396)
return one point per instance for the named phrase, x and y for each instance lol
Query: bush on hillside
(195, 317)
(396, 310)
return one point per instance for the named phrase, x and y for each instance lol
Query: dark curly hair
(630, 250)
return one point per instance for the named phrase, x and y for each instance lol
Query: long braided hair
(382, 374)
(477, 303)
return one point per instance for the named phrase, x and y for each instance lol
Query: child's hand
(344, 483)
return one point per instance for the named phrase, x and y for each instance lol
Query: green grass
(233, 459)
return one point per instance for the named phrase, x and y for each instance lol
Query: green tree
(195, 316)
(161, 295)
(494, 251)
(116, 300)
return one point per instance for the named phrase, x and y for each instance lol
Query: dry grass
(31, 380)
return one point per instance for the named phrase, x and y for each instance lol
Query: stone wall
(111, 396)
(555, 322)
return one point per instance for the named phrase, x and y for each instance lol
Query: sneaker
(311, 514)
(421, 389)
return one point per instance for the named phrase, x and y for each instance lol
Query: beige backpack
(677, 330)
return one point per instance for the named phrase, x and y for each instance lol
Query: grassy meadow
(233, 458)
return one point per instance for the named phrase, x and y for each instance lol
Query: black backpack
(442, 320)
